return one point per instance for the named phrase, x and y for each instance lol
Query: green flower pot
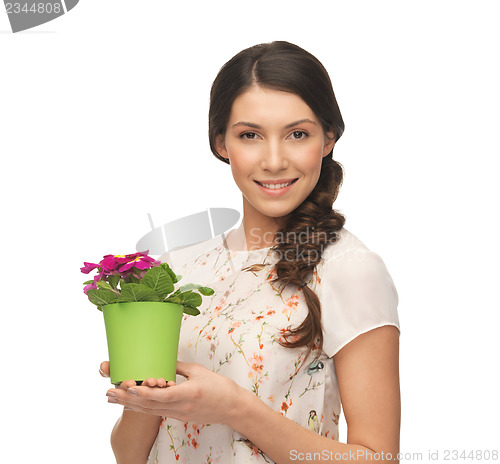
(143, 339)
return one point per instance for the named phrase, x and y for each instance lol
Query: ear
(220, 146)
(329, 142)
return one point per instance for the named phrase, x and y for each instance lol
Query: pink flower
(123, 265)
(114, 264)
(139, 260)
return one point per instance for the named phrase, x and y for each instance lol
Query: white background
(103, 119)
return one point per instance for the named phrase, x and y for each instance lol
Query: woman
(304, 315)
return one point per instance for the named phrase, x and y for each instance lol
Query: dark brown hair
(284, 66)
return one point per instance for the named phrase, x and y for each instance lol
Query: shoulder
(349, 258)
(356, 291)
(346, 246)
(182, 255)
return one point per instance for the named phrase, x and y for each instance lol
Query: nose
(274, 157)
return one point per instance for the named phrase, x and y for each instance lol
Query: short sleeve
(357, 294)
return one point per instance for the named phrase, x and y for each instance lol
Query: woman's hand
(205, 397)
(125, 385)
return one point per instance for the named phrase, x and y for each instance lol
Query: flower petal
(126, 267)
(88, 267)
(142, 265)
(88, 287)
(110, 263)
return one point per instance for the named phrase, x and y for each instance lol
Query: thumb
(104, 369)
(185, 369)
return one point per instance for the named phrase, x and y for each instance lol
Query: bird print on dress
(314, 367)
(313, 421)
(254, 268)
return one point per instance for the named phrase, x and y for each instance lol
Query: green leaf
(165, 266)
(203, 290)
(206, 291)
(88, 282)
(191, 310)
(159, 280)
(175, 278)
(133, 279)
(113, 280)
(103, 284)
(101, 297)
(173, 299)
(137, 292)
(130, 279)
(190, 299)
(187, 287)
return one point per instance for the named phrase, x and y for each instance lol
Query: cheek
(240, 169)
(237, 152)
(310, 158)
(243, 158)
(239, 165)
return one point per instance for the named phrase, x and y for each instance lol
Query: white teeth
(276, 186)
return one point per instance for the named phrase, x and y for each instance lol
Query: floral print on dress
(236, 334)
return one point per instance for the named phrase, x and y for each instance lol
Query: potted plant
(142, 313)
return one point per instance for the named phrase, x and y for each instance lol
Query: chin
(277, 213)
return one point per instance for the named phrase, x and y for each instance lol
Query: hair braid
(316, 224)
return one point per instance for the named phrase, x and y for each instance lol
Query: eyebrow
(256, 126)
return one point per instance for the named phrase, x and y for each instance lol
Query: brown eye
(299, 135)
(251, 135)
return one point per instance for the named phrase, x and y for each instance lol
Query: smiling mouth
(276, 186)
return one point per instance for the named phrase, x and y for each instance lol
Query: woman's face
(271, 136)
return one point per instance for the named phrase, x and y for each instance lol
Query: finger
(104, 369)
(126, 384)
(151, 382)
(146, 395)
(162, 383)
(141, 403)
(185, 369)
(171, 383)
(143, 400)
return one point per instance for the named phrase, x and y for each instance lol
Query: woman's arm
(133, 436)
(134, 433)
(368, 374)
(368, 377)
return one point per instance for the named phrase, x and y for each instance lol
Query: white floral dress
(238, 330)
